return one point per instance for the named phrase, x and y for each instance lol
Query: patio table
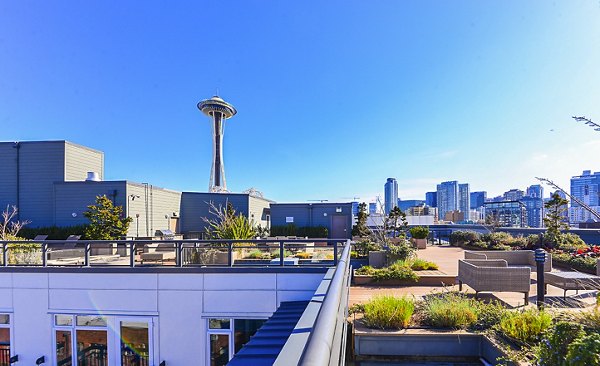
(572, 281)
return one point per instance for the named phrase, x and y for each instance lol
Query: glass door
(134, 341)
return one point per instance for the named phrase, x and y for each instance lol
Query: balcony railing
(172, 253)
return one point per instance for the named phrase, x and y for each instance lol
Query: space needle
(218, 110)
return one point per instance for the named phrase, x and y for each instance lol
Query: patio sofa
(512, 257)
(494, 276)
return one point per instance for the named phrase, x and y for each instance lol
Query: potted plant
(419, 236)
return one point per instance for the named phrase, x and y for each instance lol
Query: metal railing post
(132, 254)
(230, 254)
(335, 253)
(86, 255)
(44, 254)
(4, 255)
(179, 255)
(281, 253)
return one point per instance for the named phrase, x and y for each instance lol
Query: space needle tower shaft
(218, 111)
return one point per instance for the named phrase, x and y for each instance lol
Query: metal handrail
(178, 246)
(318, 350)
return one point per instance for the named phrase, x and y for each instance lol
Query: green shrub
(388, 312)
(450, 310)
(584, 351)
(366, 271)
(489, 315)
(418, 264)
(552, 350)
(395, 272)
(419, 232)
(303, 255)
(460, 238)
(589, 319)
(258, 254)
(363, 247)
(400, 251)
(305, 231)
(571, 242)
(53, 232)
(286, 254)
(526, 326)
(587, 264)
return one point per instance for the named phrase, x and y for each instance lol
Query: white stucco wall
(177, 302)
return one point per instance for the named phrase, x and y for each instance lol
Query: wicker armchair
(512, 257)
(494, 276)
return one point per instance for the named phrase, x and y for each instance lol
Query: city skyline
(483, 96)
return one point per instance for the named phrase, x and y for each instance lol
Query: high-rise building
(447, 198)
(513, 195)
(431, 199)
(535, 211)
(585, 187)
(506, 213)
(373, 209)
(536, 191)
(478, 199)
(406, 204)
(391, 195)
(534, 204)
(464, 199)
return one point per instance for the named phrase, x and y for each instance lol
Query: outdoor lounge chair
(518, 258)
(494, 276)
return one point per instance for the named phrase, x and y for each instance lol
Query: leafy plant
(303, 255)
(258, 254)
(363, 247)
(552, 350)
(361, 229)
(526, 326)
(418, 264)
(554, 219)
(396, 223)
(286, 254)
(400, 251)
(395, 272)
(226, 224)
(461, 238)
(584, 351)
(450, 310)
(366, 271)
(419, 232)
(388, 312)
(106, 220)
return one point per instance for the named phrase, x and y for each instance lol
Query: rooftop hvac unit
(92, 177)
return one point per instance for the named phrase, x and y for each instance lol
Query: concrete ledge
(423, 343)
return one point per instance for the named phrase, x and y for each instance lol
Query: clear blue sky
(333, 97)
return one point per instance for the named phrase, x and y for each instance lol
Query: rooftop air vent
(92, 177)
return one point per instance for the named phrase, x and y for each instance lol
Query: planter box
(419, 243)
(424, 280)
(377, 259)
(423, 343)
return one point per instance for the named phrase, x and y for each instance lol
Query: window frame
(11, 335)
(113, 334)
(229, 332)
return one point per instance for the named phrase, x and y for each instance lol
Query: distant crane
(588, 122)
(574, 199)
(318, 201)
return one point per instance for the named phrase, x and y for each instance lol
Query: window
(85, 340)
(4, 339)
(227, 336)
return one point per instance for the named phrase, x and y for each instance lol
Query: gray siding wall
(195, 206)
(8, 175)
(41, 164)
(259, 209)
(310, 214)
(74, 197)
(80, 159)
(160, 204)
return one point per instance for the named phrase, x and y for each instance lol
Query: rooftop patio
(447, 258)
